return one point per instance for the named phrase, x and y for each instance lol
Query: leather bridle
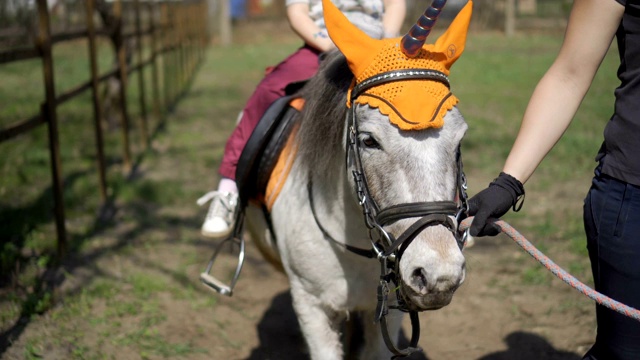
(385, 247)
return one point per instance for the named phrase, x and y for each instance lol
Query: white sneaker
(222, 213)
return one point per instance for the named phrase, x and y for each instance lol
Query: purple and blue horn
(412, 42)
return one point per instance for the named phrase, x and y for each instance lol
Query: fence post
(186, 39)
(224, 17)
(183, 42)
(510, 18)
(188, 25)
(122, 76)
(167, 54)
(176, 48)
(171, 61)
(200, 35)
(204, 37)
(163, 51)
(143, 102)
(97, 104)
(49, 112)
(153, 28)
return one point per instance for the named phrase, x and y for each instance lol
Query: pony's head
(405, 131)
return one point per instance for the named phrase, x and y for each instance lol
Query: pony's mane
(323, 119)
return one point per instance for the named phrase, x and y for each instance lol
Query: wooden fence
(176, 34)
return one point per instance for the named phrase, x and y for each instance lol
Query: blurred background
(113, 119)
(17, 17)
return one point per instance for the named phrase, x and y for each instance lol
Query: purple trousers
(299, 66)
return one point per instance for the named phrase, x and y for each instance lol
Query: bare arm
(556, 98)
(394, 13)
(303, 25)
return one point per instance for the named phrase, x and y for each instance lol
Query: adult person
(612, 205)
(378, 18)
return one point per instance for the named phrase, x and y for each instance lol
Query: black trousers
(612, 225)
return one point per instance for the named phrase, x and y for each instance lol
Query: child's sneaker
(222, 213)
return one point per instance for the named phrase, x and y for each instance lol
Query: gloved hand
(493, 202)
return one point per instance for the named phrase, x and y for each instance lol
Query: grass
(493, 80)
(27, 232)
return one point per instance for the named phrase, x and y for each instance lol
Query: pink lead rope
(558, 271)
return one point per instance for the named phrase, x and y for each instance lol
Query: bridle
(385, 247)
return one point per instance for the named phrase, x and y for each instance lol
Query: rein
(385, 247)
(559, 272)
(368, 253)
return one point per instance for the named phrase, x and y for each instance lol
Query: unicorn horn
(412, 42)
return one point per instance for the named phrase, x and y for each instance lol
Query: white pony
(397, 199)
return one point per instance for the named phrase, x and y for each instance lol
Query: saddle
(262, 152)
(261, 161)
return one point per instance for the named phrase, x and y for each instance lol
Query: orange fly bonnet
(410, 104)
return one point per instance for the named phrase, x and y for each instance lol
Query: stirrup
(236, 239)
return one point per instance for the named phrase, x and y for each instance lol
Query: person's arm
(303, 25)
(592, 26)
(393, 18)
(555, 100)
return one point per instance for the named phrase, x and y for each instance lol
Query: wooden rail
(176, 34)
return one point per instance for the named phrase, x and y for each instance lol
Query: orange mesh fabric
(409, 104)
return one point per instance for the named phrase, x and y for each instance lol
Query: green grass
(27, 231)
(130, 324)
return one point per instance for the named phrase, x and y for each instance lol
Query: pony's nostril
(419, 278)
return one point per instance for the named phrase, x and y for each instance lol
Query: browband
(397, 75)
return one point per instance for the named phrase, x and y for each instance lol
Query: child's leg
(301, 65)
(227, 185)
(220, 219)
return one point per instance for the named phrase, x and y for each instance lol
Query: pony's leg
(374, 346)
(319, 325)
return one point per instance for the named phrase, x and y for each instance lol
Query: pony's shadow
(279, 332)
(528, 346)
(280, 336)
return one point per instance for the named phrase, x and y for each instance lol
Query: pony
(366, 221)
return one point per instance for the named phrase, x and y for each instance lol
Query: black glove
(493, 202)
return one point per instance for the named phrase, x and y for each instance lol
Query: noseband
(385, 247)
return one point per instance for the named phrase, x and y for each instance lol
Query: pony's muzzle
(431, 270)
(426, 291)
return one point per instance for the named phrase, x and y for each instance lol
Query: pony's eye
(369, 142)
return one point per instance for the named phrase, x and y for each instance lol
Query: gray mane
(320, 138)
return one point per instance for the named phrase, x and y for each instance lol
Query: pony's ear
(453, 40)
(354, 44)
